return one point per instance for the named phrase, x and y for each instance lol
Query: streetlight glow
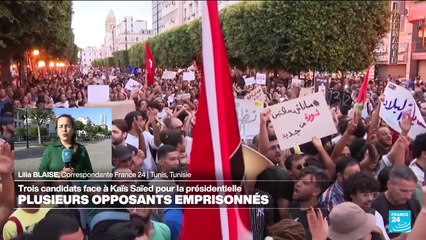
(51, 64)
(36, 52)
(41, 64)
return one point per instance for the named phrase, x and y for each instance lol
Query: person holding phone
(65, 155)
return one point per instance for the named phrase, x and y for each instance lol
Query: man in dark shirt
(277, 182)
(307, 190)
(399, 196)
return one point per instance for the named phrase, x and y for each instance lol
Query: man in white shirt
(139, 137)
(419, 153)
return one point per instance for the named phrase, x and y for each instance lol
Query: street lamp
(25, 118)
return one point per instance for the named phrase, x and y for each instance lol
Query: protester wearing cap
(349, 221)
(121, 156)
(119, 133)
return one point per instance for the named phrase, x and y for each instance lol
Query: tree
(78, 125)
(282, 35)
(40, 116)
(20, 132)
(33, 132)
(34, 24)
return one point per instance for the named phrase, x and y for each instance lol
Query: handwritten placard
(397, 101)
(256, 95)
(248, 114)
(169, 75)
(261, 78)
(299, 120)
(341, 98)
(188, 76)
(249, 81)
(97, 93)
(132, 84)
(306, 91)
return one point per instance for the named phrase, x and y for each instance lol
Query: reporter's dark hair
(75, 157)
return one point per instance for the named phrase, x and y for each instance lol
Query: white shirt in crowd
(60, 104)
(381, 224)
(148, 163)
(418, 171)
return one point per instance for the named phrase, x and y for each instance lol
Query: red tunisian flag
(217, 152)
(362, 95)
(149, 65)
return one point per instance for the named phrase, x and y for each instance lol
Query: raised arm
(369, 162)
(397, 153)
(375, 118)
(263, 138)
(329, 164)
(350, 129)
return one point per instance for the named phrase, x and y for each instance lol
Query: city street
(29, 159)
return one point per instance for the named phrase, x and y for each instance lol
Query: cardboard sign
(97, 93)
(306, 91)
(119, 108)
(249, 81)
(248, 114)
(261, 78)
(188, 76)
(322, 85)
(397, 101)
(341, 98)
(132, 84)
(169, 75)
(299, 120)
(256, 95)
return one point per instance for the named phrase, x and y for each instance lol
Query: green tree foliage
(20, 132)
(33, 131)
(25, 25)
(40, 116)
(78, 125)
(289, 35)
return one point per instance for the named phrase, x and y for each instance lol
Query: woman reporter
(54, 157)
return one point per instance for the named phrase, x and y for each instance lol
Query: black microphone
(66, 157)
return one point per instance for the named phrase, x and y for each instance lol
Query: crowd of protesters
(336, 187)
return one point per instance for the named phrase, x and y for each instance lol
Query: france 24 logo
(399, 221)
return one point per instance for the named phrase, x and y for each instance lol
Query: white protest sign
(306, 91)
(249, 81)
(261, 78)
(97, 93)
(256, 95)
(299, 120)
(132, 84)
(397, 101)
(248, 114)
(296, 82)
(169, 75)
(185, 96)
(188, 76)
